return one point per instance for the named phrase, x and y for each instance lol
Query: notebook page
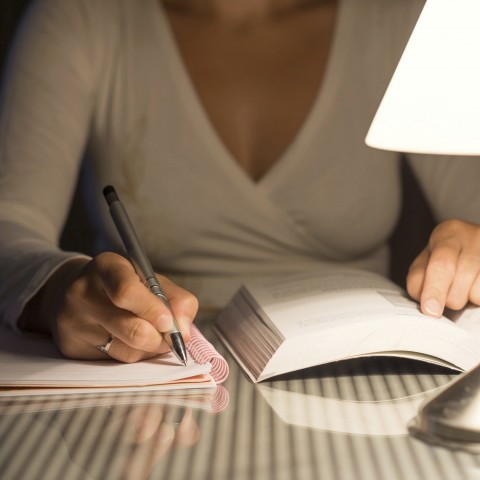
(35, 361)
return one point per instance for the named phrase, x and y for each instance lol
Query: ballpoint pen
(142, 266)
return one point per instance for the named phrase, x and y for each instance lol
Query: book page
(467, 319)
(343, 314)
(301, 304)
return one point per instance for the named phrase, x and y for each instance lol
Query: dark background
(10, 12)
(408, 239)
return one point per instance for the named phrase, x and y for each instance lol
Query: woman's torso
(178, 160)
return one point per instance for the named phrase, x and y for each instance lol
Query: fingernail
(432, 307)
(164, 322)
(184, 323)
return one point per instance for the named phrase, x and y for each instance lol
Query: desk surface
(344, 421)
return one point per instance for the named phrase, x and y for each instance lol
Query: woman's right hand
(84, 302)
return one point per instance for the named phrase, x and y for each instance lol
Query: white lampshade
(432, 104)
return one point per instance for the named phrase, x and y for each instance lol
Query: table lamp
(432, 105)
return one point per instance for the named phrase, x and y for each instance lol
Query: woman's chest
(258, 83)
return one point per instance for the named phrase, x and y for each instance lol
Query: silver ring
(105, 348)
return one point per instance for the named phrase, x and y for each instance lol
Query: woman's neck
(241, 11)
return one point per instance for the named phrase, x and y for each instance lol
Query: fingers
(82, 341)
(416, 274)
(183, 304)
(465, 286)
(134, 340)
(439, 276)
(446, 273)
(126, 291)
(108, 298)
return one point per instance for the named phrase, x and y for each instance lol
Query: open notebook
(33, 365)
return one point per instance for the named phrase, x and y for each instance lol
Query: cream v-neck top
(105, 78)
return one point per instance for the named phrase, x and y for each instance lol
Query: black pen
(143, 267)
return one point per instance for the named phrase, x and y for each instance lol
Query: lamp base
(452, 417)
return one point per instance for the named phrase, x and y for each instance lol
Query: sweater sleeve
(450, 184)
(45, 109)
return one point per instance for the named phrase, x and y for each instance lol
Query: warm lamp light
(432, 105)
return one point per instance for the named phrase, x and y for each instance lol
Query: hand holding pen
(88, 301)
(138, 257)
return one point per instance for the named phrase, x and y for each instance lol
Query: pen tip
(182, 356)
(178, 347)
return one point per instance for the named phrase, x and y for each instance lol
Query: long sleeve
(45, 107)
(450, 184)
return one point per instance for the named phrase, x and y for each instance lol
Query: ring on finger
(106, 347)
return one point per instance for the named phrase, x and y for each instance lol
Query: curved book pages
(304, 320)
(32, 365)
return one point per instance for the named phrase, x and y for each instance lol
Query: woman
(233, 132)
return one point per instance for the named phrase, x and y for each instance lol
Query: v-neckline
(317, 114)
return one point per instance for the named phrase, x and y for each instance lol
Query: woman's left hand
(447, 271)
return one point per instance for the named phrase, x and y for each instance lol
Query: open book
(295, 322)
(31, 365)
